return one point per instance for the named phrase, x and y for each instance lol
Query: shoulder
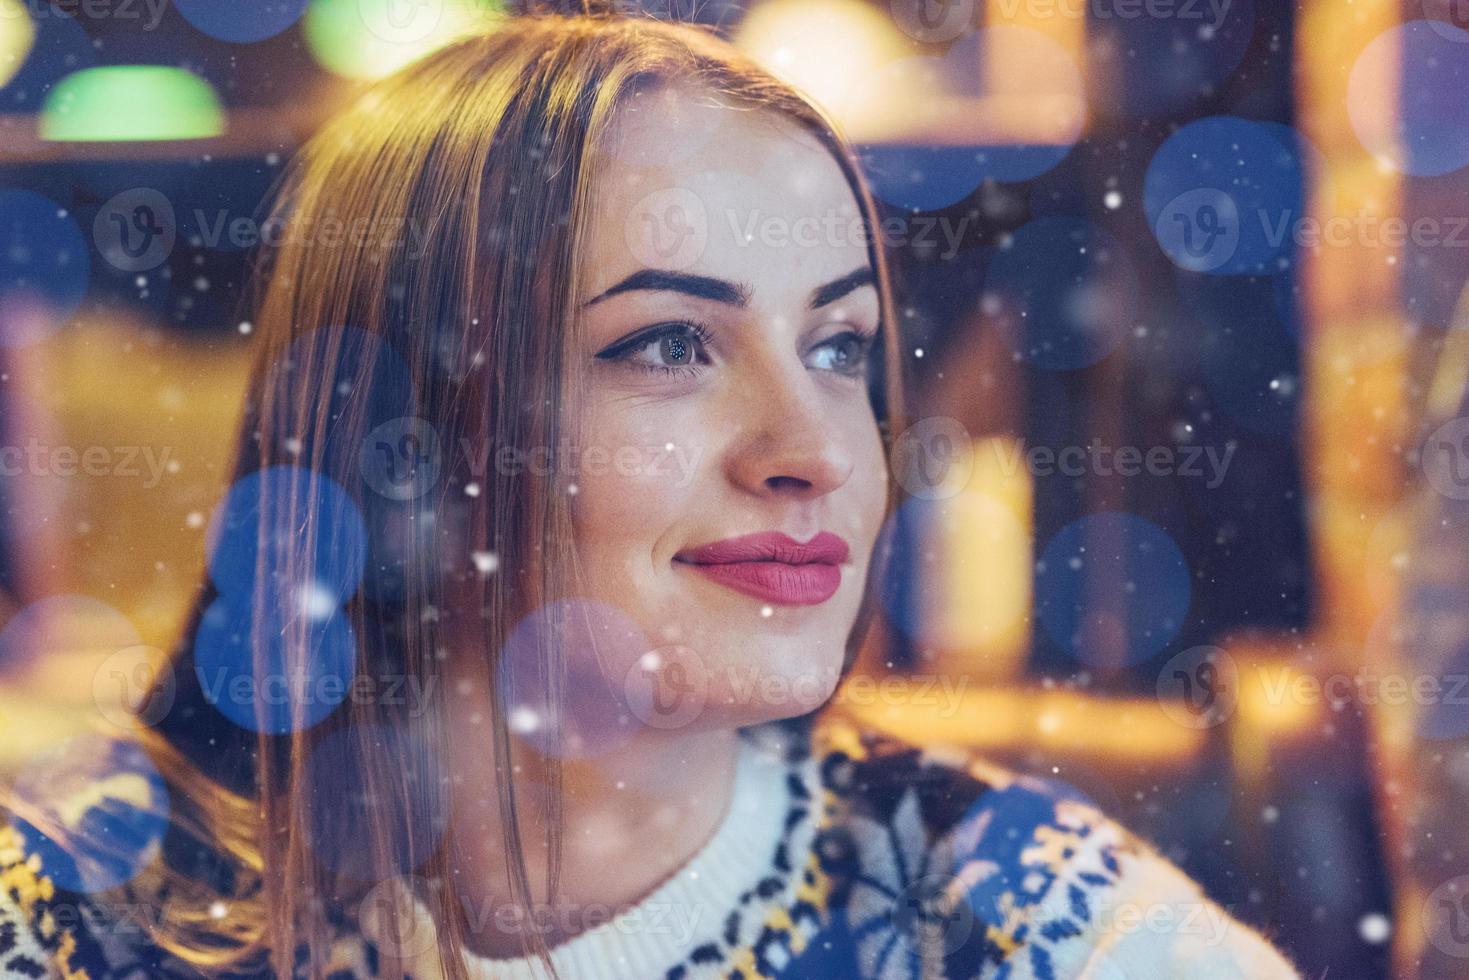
(53, 931)
(962, 868)
(78, 825)
(35, 940)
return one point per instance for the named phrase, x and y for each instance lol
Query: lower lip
(775, 581)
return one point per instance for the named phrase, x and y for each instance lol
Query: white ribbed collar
(686, 911)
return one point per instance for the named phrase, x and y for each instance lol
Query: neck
(630, 819)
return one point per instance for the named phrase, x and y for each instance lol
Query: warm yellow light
(1278, 698)
(1066, 27)
(952, 709)
(982, 579)
(373, 38)
(827, 48)
(17, 36)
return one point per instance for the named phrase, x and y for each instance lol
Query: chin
(775, 677)
(736, 669)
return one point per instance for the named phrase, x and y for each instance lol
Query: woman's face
(730, 479)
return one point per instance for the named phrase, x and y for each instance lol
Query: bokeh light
(58, 47)
(1222, 195)
(131, 102)
(933, 128)
(1422, 132)
(111, 801)
(305, 668)
(44, 267)
(229, 20)
(373, 38)
(582, 713)
(63, 626)
(826, 48)
(16, 39)
(1112, 589)
(254, 532)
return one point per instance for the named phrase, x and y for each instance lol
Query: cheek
(636, 471)
(869, 479)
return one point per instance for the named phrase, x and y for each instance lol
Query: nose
(789, 442)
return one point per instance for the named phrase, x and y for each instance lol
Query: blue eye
(669, 348)
(845, 353)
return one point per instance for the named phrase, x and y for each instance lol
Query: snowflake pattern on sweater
(895, 863)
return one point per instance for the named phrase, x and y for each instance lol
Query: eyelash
(699, 335)
(689, 330)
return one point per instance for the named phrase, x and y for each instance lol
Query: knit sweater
(852, 856)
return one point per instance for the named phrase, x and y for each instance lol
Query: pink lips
(773, 566)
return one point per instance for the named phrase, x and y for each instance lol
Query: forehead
(691, 185)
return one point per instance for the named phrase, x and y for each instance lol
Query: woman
(556, 517)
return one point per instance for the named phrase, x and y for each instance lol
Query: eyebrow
(724, 291)
(838, 288)
(701, 287)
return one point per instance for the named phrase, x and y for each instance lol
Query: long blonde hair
(488, 145)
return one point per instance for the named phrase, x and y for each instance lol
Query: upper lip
(769, 546)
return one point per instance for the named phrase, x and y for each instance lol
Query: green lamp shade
(131, 102)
